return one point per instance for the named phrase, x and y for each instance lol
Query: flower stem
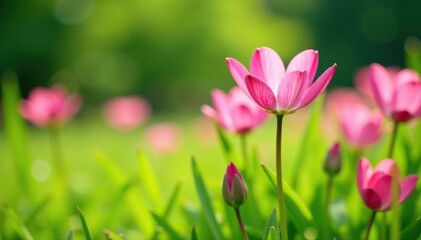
(370, 223)
(281, 200)
(393, 140)
(328, 194)
(243, 140)
(240, 222)
(58, 164)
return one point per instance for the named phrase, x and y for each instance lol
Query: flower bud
(333, 161)
(234, 189)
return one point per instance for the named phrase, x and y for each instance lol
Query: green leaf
(148, 180)
(88, 235)
(16, 131)
(413, 231)
(193, 233)
(16, 222)
(206, 202)
(70, 235)
(271, 223)
(38, 209)
(109, 235)
(110, 167)
(273, 234)
(226, 145)
(297, 211)
(165, 225)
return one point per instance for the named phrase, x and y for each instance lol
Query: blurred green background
(162, 49)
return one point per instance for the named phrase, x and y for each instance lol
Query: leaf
(206, 202)
(16, 222)
(70, 235)
(193, 233)
(412, 232)
(273, 234)
(297, 211)
(164, 224)
(88, 235)
(148, 180)
(16, 131)
(109, 235)
(271, 223)
(113, 171)
(38, 209)
(226, 145)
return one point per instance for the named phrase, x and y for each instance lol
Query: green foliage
(412, 232)
(86, 231)
(15, 221)
(272, 229)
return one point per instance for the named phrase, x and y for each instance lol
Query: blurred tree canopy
(173, 52)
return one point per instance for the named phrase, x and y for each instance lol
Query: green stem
(240, 222)
(243, 140)
(393, 140)
(370, 223)
(58, 164)
(281, 200)
(326, 225)
(383, 230)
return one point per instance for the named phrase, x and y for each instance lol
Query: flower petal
(387, 166)
(291, 89)
(383, 188)
(371, 199)
(407, 185)
(208, 112)
(267, 66)
(382, 85)
(239, 73)
(261, 93)
(318, 86)
(305, 61)
(364, 172)
(243, 119)
(406, 76)
(406, 102)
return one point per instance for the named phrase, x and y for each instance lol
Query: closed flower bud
(333, 161)
(234, 189)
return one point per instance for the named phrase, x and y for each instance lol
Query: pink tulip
(399, 95)
(50, 107)
(234, 189)
(375, 186)
(360, 125)
(126, 113)
(234, 112)
(163, 138)
(275, 89)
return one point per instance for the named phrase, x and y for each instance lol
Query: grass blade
(271, 223)
(168, 229)
(88, 235)
(273, 234)
(113, 171)
(148, 180)
(70, 235)
(206, 203)
(16, 131)
(226, 145)
(16, 222)
(413, 231)
(297, 211)
(109, 235)
(193, 233)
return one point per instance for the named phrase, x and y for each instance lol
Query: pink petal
(383, 187)
(364, 172)
(407, 185)
(291, 89)
(243, 119)
(261, 93)
(208, 112)
(387, 166)
(382, 85)
(222, 107)
(239, 73)
(371, 199)
(406, 102)
(267, 66)
(318, 86)
(368, 133)
(406, 76)
(305, 61)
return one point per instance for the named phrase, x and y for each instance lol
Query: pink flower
(333, 161)
(164, 138)
(275, 89)
(126, 113)
(359, 124)
(375, 186)
(234, 112)
(50, 107)
(399, 95)
(234, 189)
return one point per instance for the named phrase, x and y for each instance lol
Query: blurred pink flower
(126, 113)
(234, 112)
(375, 186)
(275, 89)
(359, 124)
(163, 138)
(50, 107)
(399, 95)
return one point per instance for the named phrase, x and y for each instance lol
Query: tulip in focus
(126, 113)
(50, 107)
(234, 189)
(360, 125)
(234, 112)
(276, 89)
(333, 161)
(398, 95)
(375, 186)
